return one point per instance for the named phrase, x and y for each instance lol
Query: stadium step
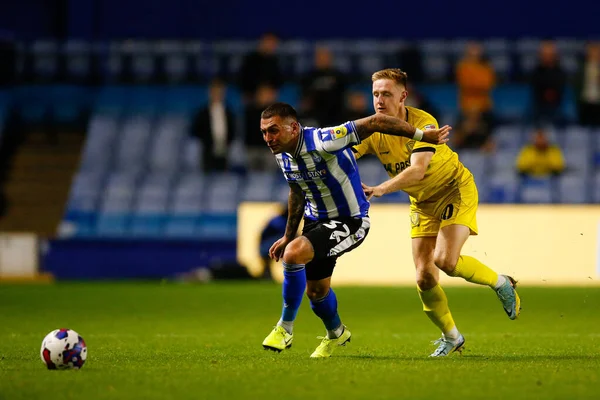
(38, 182)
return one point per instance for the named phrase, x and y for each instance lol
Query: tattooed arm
(295, 211)
(397, 127)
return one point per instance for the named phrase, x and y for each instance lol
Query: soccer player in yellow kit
(443, 208)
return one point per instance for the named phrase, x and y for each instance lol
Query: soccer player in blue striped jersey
(325, 188)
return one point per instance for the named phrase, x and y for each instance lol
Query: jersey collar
(300, 142)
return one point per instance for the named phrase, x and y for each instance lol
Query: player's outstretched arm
(396, 127)
(295, 211)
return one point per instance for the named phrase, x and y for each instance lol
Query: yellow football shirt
(444, 171)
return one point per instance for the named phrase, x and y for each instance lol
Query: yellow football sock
(472, 270)
(435, 305)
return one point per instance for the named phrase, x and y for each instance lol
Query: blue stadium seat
(166, 146)
(437, 62)
(222, 193)
(503, 162)
(509, 137)
(143, 60)
(573, 188)
(45, 55)
(596, 189)
(258, 186)
(199, 55)
(153, 194)
(296, 57)
(477, 162)
(101, 143)
(133, 143)
(173, 60)
(537, 191)
(78, 60)
(188, 195)
(191, 154)
(119, 192)
(501, 188)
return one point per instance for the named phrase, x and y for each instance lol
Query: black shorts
(330, 239)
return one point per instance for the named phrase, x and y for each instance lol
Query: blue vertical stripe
(348, 164)
(316, 193)
(335, 188)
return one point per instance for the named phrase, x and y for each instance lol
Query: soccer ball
(63, 349)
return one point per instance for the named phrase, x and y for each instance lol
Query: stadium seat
(173, 62)
(296, 57)
(45, 55)
(101, 142)
(501, 188)
(133, 143)
(509, 137)
(437, 63)
(78, 60)
(188, 194)
(166, 143)
(573, 188)
(222, 192)
(258, 186)
(503, 162)
(119, 192)
(199, 55)
(537, 191)
(476, 161)
(596, 189)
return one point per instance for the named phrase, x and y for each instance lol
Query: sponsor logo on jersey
(305, 175)
(339, 132)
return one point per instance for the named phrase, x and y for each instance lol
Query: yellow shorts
(457, 207)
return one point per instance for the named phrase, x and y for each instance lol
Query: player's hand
(437, 136)
(277, 249)
(371, 191)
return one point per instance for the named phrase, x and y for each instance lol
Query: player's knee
(445, 261)
(316, 292)
(299, 251)
(426, 280)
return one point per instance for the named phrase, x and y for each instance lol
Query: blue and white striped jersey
(325, 168)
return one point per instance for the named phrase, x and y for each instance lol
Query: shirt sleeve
(366, 147)
(339, 137)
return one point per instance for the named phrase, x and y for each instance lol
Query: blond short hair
(394, 74)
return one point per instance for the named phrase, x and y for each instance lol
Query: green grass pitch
(178, 341)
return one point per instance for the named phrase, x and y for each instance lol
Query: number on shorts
(448, 211)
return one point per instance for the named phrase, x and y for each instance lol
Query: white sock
(335, 333)
(501, 281)
(287, 325)
(453, 334)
